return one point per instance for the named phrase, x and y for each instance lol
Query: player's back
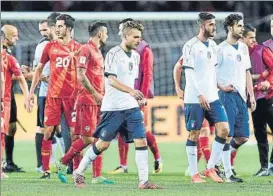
(63, 78)
(201, 57)
(233, 61)
(125, 67)
(91, 59)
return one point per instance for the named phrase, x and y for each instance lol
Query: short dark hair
(3, 35)
(94, 28)
(43, 21)
(51, 19)
(231, 20)
(125, 20)
(248, 28)
(69, 21)
(203, 16)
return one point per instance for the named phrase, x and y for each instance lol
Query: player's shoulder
(12, 60)
(243, 47)
(212, 43)
(223, 44)
(193, 41)
(135, 53)
(115, 50)
(77, 44)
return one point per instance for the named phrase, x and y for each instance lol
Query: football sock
(97, 166)
(191, 150)
(226, 160)
(151, 141)
(123, 151)
(46, 152)
(38, 143)
(204, 146)
(141, 159)
(216, 151)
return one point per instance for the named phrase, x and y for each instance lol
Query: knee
(49, 133)
(241, 140)
(222, 130)
(88, 140)
(102, 145)
(194, 135)
(12, 129)
(140, 142)
(204, 132)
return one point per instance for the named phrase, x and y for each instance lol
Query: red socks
(204, 147)
(152, 144)
(97, 166)
(233, 155)
(123, 148)
(75, 149)
(46, 152)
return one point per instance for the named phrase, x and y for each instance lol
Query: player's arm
(267, 56)
(2, 90)
(147, 62)
(177, 72)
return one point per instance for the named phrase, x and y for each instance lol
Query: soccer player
(11, 38)
(201, 96)
(261, 59)
(233, 77)
(120, 106)
(145, 84)
(90, 72)
(62, 83)
(203, 139)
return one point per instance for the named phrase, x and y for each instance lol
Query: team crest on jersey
(193, 123)
(209, 55)
(131, 66)
(87, 128)
(239, 58)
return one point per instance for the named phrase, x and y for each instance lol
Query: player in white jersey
(120, 110)
(233, 77)
(201, 96)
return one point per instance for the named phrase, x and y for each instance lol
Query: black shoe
(13, 168)
(233, 179)
(220, 171)
(234, 172)
(262, 172)
(46, 175)
(270, 171)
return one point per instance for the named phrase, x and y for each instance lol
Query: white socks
(89, 156)
(141, 158)
(216, 152)
(53, 154)
(60, 142)
(226, 161)
(192, 159)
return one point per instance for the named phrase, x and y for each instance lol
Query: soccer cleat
(211, 173)
(234, 179)
(261, 172)
(46, 175)
(270, 171)
(62, 170)
(78, 180)
(12, 167)
(119, 170)
(149, 185)
(220, 171)
(39, 169)
(158, 165)
(3, 175)
(101, 180)
(197, 179)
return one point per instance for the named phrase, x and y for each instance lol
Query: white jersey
(125, 67)
(38, 54)
(232, 66)
(202, 59)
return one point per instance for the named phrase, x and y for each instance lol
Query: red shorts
(144, 111)
(87, 119)
(55, 107)
(6, 115)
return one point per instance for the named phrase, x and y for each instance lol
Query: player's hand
(203, 102)
(98, 98)
(2, 106)
(25, 69)
(29, 103)
(142, 102)
(265, 73)
(252, 103)
(179, 92)
(227, 89)
(137, 94)
(44, 78)
(264, 86)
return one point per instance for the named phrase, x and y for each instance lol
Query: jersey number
(62, 62)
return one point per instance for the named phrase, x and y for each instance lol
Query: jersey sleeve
(147, 62)
(110, 64)
(188, 56)
(45, 54)
(14, 66)
(83, 57)
(247, 60)
(267, 57)
(220, 56)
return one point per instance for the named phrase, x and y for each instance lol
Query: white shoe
(39, 169)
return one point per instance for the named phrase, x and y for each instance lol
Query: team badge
(239, 58)
(209, 55)
(193, 123)
(131, 66)
(87, 128)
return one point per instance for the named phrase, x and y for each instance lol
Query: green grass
(172, 178)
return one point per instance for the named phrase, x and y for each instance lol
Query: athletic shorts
(237, 113)
(41, 111)
(129, 123)
(87, 119)
(144, 111)
(13, 111)
(195, 115)
(55, 107)
(7, 106)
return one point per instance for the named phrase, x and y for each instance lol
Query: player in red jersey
(203, 140)
(63, 80)
(145, 84)
(90, 72)
(10, 67)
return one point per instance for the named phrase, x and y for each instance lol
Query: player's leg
(52, 119)
(105, 131)
(136, 132)
(203, 140)
(194, 116)
(123, 148)
(270, 123)
(3, 130)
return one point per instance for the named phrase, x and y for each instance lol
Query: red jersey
(91, 59)
(10, 66)
(63, 77)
